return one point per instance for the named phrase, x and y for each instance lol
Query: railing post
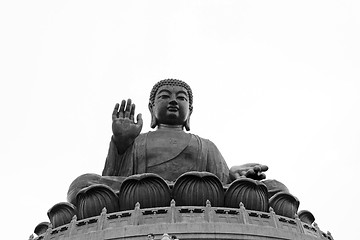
(72, 226)
(136, 214)
(299, 223)
(48, 233)
(274, 217)
(101, 220)
(173, 211)
(209, 213)
(244, 213)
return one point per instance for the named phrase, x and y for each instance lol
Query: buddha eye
(164, 96)
(182, 98)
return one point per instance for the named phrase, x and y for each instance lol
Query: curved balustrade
(184, 218)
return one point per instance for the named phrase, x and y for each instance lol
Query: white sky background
(275, 82)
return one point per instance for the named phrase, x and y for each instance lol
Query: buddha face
(171, 105)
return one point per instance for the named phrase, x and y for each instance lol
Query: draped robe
(169, 157)
(193, 154)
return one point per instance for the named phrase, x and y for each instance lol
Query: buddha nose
(173, 101)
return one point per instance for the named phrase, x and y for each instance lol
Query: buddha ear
(187, 122)
(153, 123)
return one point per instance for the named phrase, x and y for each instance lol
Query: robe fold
(193, 154)
(198, 154)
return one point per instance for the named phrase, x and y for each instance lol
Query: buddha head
(170, 103)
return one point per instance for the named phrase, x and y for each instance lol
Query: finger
(122, 107)
(264, 168)
(128, 108)
(115, 113)
(250, 173)
(257, 168)
(132, 112)
(139, 120)
(262, 176)
(237, 175)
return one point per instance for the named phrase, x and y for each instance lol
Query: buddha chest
(171, 153)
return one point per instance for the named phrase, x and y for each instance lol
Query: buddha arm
(110, 168)
(117, 164)
(122, 144)
(124, 164)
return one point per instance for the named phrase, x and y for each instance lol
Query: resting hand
(124, 128)
(249, 170)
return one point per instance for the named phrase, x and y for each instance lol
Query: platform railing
(180, 214)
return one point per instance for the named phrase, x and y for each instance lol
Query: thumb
(139, 119)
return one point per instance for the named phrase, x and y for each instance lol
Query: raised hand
(249, 170)
(124, 128)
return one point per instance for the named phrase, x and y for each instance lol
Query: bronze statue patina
(173, 177)
(168, 151)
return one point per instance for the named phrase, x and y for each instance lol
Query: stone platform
(186, 222)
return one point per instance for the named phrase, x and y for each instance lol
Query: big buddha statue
(170, 180)
(168, 151)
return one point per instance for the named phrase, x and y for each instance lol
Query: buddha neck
(164, 127)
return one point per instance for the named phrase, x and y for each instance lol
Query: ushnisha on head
(170, 103)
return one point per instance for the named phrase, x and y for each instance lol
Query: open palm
(124, 127)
